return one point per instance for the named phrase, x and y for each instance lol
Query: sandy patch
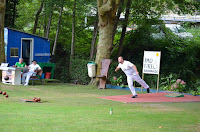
(36, 89)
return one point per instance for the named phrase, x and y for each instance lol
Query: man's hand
(136, 69)
(117, 68)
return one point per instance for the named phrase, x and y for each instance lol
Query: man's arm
(37, 68)
(15, 65)
(117, 68)
(25, 65)
(135, 69)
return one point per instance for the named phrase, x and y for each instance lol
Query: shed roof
(27, 33)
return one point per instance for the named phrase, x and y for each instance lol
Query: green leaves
(166, 82)
(117, 81)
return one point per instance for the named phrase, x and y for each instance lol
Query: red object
(6, 96)
(36, 100)
(47, 75)
(39, 99)
(115, 78)
(4, 93)
(0, 92)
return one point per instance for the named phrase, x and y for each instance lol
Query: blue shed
(27, 46)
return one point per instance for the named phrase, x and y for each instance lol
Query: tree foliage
(142, 13)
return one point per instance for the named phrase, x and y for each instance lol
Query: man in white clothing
(132, 74)
(33, 69)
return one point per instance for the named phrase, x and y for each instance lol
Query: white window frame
(14, 48)
(31, 48)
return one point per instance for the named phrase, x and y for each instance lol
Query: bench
(105, 63)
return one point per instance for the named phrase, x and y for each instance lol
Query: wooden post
(158, 83)
(142, 79)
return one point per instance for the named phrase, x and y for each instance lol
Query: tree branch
(117, 2)
(106, 7)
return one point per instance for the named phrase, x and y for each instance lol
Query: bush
(78, 71)
(178, 86)
(61, 64)
(167, 82)
(117, 81)
(195, 88)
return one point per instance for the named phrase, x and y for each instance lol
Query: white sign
(42, 54)
(151, 62)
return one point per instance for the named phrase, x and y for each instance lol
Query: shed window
(14, 52)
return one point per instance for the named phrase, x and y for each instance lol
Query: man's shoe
(148, 90)
(134, 96)
(25, 84)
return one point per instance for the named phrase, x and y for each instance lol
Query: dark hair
(34, 60)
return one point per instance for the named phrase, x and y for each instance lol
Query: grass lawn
(76, 108)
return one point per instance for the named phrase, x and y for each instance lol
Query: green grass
(75, 108)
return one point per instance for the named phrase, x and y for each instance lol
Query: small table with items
(12, 75)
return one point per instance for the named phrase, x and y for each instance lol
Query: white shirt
(32, 67)
(127, 68)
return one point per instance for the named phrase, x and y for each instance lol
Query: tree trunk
(94, 38)
(2, 16)
(14, 13)
(57, 32)
(8, 14)
(125, 23)
(117, 18)
(107, 14)
(37, 17)
(73, 30)
(48, 25)
(116, 24)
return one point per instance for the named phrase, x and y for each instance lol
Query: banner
(151, 62)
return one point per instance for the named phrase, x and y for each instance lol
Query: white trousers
(138, 79)
(27, 76)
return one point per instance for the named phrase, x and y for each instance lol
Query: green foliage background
(78, 71)
(179, 57)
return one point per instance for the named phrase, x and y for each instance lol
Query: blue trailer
(27, 46)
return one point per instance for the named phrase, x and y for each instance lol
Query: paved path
(152, 98)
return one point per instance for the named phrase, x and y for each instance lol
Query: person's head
(21, 60)
(34, 62)
(120, 59)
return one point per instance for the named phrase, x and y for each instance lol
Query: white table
(13, 73)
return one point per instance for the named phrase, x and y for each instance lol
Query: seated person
(33, 69)
(21, 63)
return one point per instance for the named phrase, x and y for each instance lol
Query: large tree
(107, 15)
